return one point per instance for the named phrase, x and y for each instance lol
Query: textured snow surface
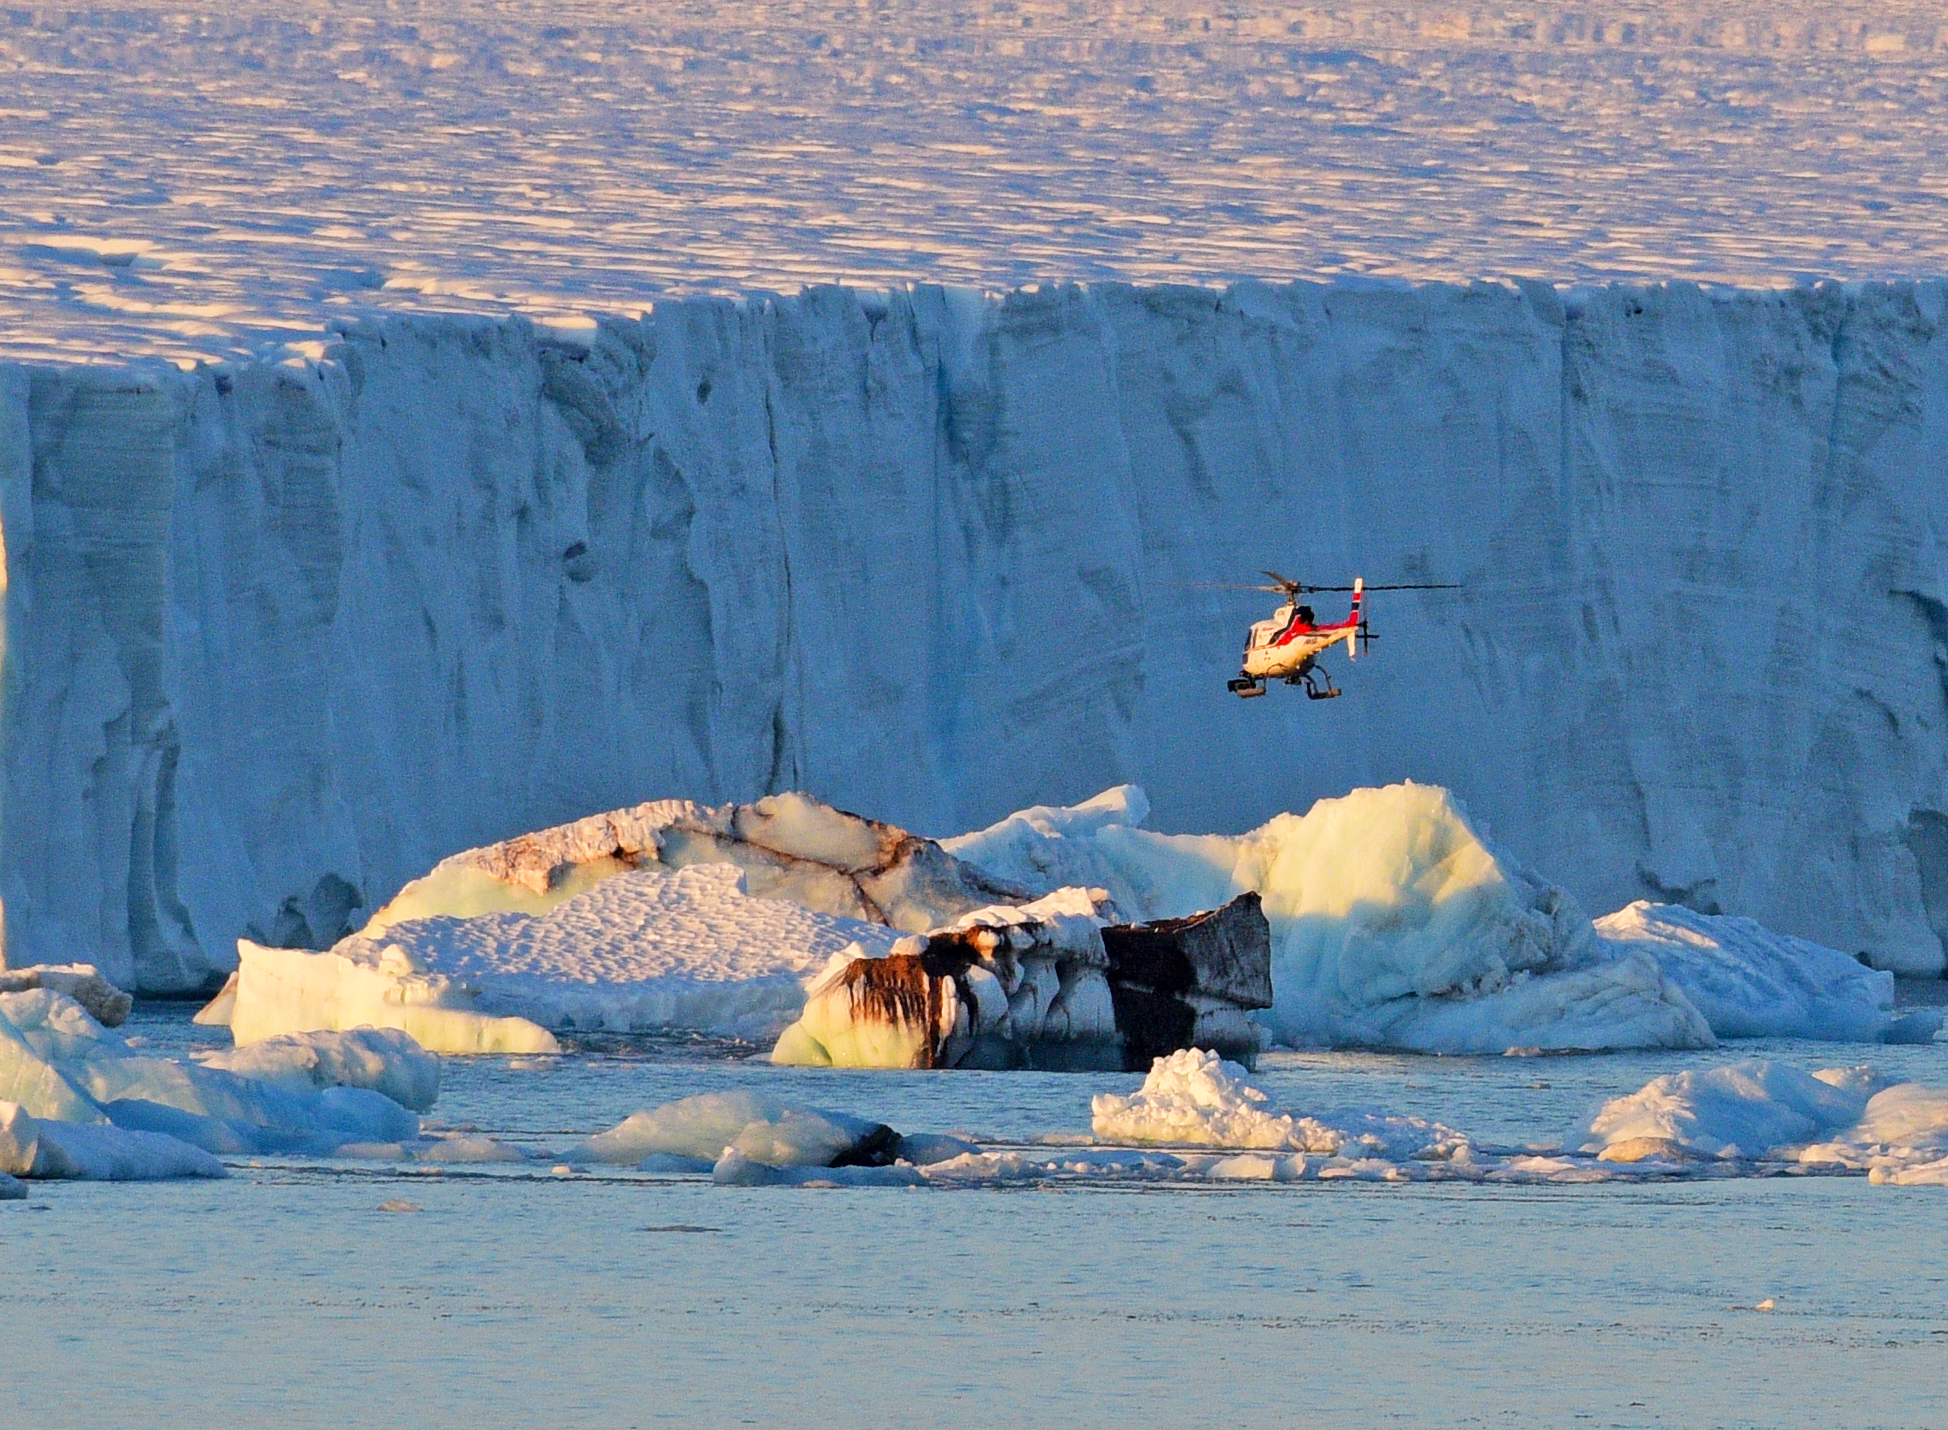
(281, 637)
(636, 927)
(639, 949)
(788, 845)
(1393, 923)
(570, 158)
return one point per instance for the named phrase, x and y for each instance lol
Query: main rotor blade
(1286, 583)
(1412, 586)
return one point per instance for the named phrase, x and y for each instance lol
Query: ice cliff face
(279, 637)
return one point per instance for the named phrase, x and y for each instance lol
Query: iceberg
(1750, 982)
(663, 914)
(384, 1060)
(1394, 922)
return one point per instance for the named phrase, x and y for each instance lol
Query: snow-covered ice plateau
(196, 182)
(281, 636)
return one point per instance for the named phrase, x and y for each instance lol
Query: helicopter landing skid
(1244, 687)
(1312, 690)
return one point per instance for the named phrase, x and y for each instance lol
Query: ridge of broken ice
(1195, 1120)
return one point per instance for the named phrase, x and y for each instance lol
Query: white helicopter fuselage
(1285, 645)
(1277, 650)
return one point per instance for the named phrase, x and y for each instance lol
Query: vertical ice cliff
(280, 636)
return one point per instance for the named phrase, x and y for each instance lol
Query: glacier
(280, 635)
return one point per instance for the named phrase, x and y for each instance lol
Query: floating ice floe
(1845, 1119)
(694, 1133)
(101, 1108)
(106, 1004)
(1195, 1099)
(1051, 984)
(667, 914)
(53, 1149)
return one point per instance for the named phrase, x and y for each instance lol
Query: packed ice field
(515, 1294)
(206, 185)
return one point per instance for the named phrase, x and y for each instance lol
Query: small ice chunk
(923, 1149)
(479, 1150)
(735, 1169)
(761, 1127)
(1193, 1098)
(219, 1010)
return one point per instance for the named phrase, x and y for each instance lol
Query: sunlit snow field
(204, 180)
(285, 1295)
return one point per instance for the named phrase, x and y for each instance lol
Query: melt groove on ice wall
(279, 636)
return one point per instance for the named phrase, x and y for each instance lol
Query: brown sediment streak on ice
(896, 990)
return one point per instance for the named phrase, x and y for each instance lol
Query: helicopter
(1287, 644)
